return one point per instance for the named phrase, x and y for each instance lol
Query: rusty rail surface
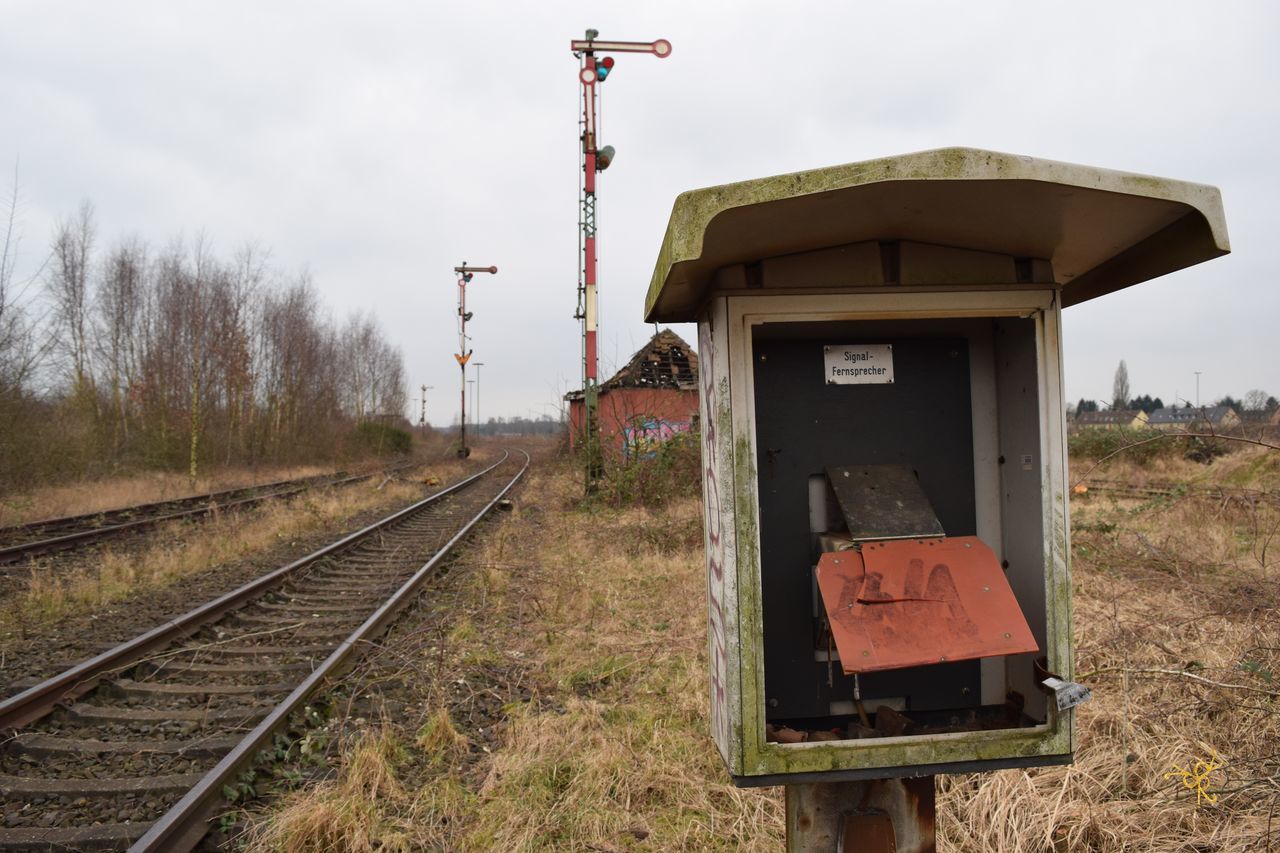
(58, 534)
(1171, 489)
(183, 825)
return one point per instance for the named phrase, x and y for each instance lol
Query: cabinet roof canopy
(1099, 229)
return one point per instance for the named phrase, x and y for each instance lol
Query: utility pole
(592, 72)
(1197, 389)
(465, 274)
(479, 426)
(422, 419)
(474, 420)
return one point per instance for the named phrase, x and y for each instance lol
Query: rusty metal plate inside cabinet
(883, 502)
(910, 602)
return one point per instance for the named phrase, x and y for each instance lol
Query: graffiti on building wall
(643, 436)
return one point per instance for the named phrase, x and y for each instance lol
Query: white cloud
(379, 145)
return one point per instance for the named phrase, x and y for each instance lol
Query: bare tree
(1256, 400)
(244, 285)
(69, 288)
(372, 372)
(20, 346)
(118, 337)
(178, 357)
(1120, 387)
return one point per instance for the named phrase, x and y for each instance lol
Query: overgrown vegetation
(1177, 627)
(575, 630)
(378, 439)
(1142, 446)
(653, 474)
(55, 590)
(604, 746)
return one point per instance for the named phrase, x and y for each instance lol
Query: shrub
(1141, 446)
(670, 469)
(1204, 450)
(1097, 443)
(381, 439)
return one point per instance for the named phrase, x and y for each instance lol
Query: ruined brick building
(651, 399)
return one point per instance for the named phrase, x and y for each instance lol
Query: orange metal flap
(909, 602)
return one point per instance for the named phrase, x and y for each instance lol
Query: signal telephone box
(887, 535)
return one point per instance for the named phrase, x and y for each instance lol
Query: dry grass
(151, 486)
(612, 753)
(344, 814)
(116, 492)
(1177, 625)
(54, 591)
(1173, 601)
(620, 759)
(1245, 465)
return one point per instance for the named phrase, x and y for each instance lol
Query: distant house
(1214, 417)
(647, 402)
(1112, 419)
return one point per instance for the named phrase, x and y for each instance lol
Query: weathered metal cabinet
(898, 318)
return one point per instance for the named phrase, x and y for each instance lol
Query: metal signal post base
(591, 435)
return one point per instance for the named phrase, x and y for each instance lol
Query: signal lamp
(604, 157)
(603, 67)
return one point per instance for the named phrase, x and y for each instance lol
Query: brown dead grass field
(55, 587)
(129, 490)
(1177, 628)
(601, 613)
(141, 487)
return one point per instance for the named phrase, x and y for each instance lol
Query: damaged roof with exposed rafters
(666, 361)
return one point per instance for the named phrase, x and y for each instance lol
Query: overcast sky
(379, 144)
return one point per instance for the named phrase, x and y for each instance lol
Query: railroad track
(20, 542)
(1168, 489)
(132, 749)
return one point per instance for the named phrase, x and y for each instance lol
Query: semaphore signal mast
(592, 72)
(465, 274)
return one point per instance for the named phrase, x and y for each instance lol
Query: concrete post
(877, 816)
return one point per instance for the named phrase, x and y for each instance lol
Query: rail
(35, 538)
(183, 824)
(1170, 489)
